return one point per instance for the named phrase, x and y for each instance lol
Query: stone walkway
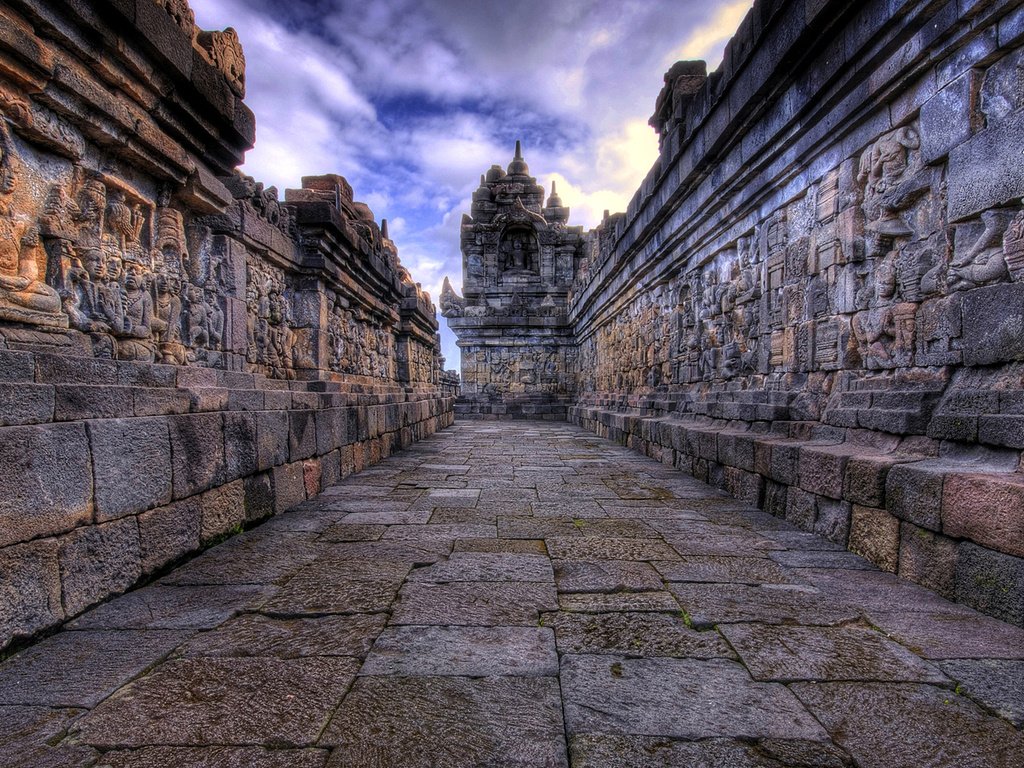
(520, 594)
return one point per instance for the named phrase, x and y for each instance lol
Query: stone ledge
(908, 511)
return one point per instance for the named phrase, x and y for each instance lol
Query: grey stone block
(46, 486)
(132, 465)
(17, 366)
(240, 444)
(978, 175)
(259, 496)
(272, 439)
(994, 331)
(24, 403)
(221, 510)
(289, 486)
(167, 533)
(80, 401)
(946, 118)
(30, 582)
(151, 401)
(99, 561)
(301, 435)
(991, 582)
(197, 450)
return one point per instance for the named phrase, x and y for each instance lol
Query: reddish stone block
(987, 509)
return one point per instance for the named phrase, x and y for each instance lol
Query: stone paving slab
(423, 722)
(466, 651)
(447, 606)
(225, 701)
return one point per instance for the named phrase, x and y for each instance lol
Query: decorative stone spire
(384, 229)
(554, 201)
(518, 166)
(554, 211)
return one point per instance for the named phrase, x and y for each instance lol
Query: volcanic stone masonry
(181, 352)
(816, 298)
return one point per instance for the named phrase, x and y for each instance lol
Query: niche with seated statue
(519, 253)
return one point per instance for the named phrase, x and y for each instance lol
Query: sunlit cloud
(707, 41)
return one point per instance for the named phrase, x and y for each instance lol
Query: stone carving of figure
(196, 331)
(984, 262)
(23, 296)
(92, 204)
(58, 228)
(224, 51)
(136, 340)
(110, 292)
(214, 319)
(167, 317)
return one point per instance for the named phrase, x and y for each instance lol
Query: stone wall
(816, 298)
(181, 352)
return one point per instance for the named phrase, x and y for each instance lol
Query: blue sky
(411, 100)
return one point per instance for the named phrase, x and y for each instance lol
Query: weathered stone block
(801, 508)
(289, 486)
(1005, 430)
(785, 461)
(168, 533)
(821, 469)
(221, 510)
(272, 439)
(46, 486)
(875, 536)
(927, 558)
(240, 444)
(995, 331)
(151, 401)
(947, 118)
(259, 496)
(833, 520)
(97, 562)
(17, 366)
(991, 582)
(987, 509)
(913, 492)
(301, 435)
(197, 450)
(80, 401)
(132, 465)
(24, 403)
(30, 585)
(864, 481)
(977, 176)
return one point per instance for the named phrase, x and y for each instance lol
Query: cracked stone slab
(710, 604)
(399, 550)
(482, 566)
(214, 757)
(257, 635)
(224, 701)
(413, 517)
(606, 576)
(870, 721)
(79, 669)
(634, 634)
(27, 735)
(587, 548)
(787, 654)
(245, 561)
(598, 751)
(457, 722)
(822, 559)
(609, 602)
(465, 651)
(997, 684)
(956, 633)
(719, 544)
(726, 570)
(174, 607)
(469, 603)
(681, 698)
